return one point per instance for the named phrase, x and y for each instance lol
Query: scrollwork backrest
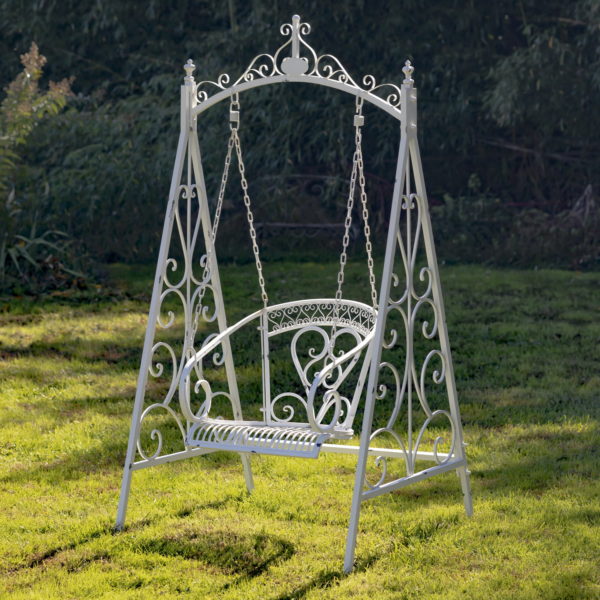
(319, 340)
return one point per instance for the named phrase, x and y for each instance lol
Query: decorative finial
(189, 68)
(295, 36)
(295, 64)
(408, 69)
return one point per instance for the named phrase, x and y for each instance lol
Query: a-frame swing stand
(400, 356)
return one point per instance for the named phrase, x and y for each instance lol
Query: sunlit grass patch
(526, 353)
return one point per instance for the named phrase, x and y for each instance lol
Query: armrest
(184, 378)
(331, 397)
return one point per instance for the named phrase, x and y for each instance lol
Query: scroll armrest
(331, 397)
(184, 378)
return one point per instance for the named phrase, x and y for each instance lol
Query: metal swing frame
(332, 418)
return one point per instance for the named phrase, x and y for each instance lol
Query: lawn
(526, 351)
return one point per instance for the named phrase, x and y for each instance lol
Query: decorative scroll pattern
(325, 66)
(328, 409)
(320, 362)
(323, 313)
(194, 302)
(409, 302)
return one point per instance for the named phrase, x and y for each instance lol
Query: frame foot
(124, 497)
(247, 473)
(465, 484)
(353, 525)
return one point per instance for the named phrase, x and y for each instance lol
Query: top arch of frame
(303, 65)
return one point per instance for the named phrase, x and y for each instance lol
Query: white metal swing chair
(325, 410)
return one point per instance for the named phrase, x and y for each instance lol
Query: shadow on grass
(108, 456)
(327, 579)
(536, 461)
(123, 348)
(43, 557)
(323, 580)
(141, 523)
(246, 555)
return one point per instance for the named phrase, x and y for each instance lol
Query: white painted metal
(322, 413)
(377, 451)
(348, 318)
(325, 70)
(408, 305)
(256, 438)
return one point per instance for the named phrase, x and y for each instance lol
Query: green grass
(526, 352)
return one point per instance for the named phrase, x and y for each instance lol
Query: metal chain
(215, 226)
(250, 216)
(221, 196)
(234, 142)
(347, 226)
(365, 215)
(357, 170)
(358, 118)
(219, 206)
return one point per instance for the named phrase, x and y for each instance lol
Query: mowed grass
(526, 351)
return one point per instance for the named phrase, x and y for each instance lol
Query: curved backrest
(327, 336)
(322, 312)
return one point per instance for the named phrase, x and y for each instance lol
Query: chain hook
(234, 111)
(359, 119)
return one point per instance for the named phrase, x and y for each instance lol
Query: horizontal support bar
(420, 476)
(387, 452)
(309, 451)
(331, 448)
(167, 458)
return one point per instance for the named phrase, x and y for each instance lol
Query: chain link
(224, 177)
(234, 142)
(213, 233)
(218, 210)
(357, 173)
(347, 226)
(234, 125)
(250, 217)
(365, 215)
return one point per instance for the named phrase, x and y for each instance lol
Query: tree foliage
(507, 94)
(27, 258)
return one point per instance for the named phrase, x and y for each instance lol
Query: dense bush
(31, 259)
(507, 95)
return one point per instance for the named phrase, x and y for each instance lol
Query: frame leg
(218, 295)
(465, 483)
(352, 531)
(150, 330)
(357, 499)
(247, 472)
(377, 345)
(463, 473)
(124, 497)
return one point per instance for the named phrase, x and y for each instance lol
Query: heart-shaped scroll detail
(294, 66)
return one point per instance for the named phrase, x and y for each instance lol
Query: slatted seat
(243, 436)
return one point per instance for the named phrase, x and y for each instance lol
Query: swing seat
(327, 413)
(256, 438)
